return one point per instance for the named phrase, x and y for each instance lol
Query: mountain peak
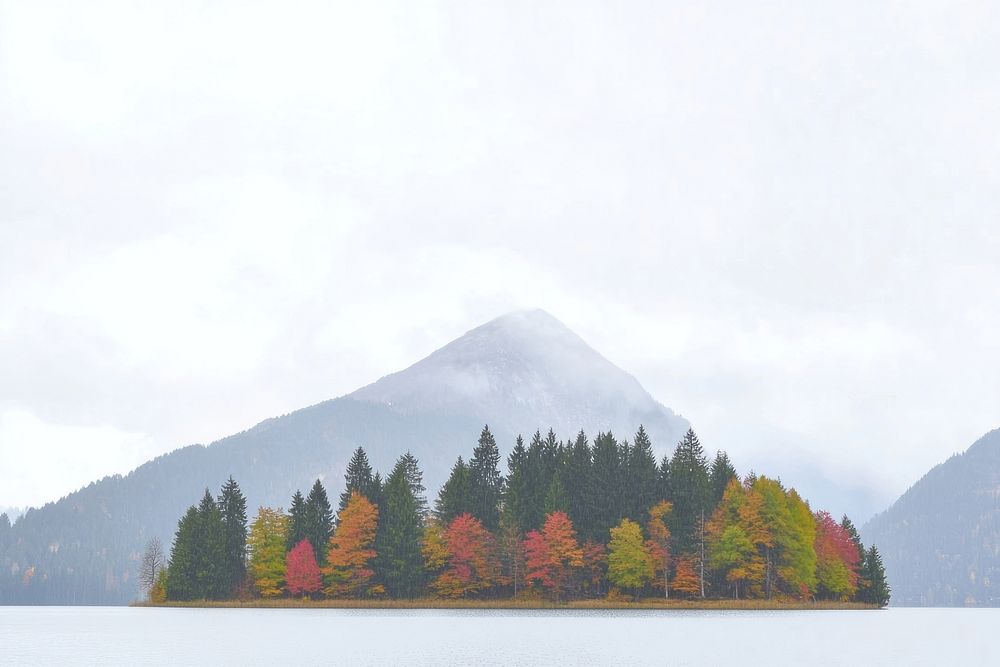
(522, 371)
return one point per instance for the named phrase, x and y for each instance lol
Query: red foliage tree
(472, 558)
(837, 557)
(553, 554)
(302, 575)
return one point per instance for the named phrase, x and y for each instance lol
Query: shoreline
(430, 604)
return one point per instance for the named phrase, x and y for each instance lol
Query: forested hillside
(941, 539)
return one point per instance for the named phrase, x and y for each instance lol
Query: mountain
(940, 541)
(518, 373)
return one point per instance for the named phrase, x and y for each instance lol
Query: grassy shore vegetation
(571, 525)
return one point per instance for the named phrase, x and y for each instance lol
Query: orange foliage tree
(659, 542)
(347, 570)
(471, 563)
(553, 554)
(686, 579)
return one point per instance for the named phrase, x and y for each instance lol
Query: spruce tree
(233, 508)
(515, 502)
(876, 590)
(296, 521)
(399, 562)
(318, 520)
(577, 482)
(485, 481)
(453, 498)
(181, 576)
(663, 480)
(689, 484)
(606, 492)
(415, 479)
(556, 499)
(722, 471)
(641, 475)
(358, 478)
(537, 483)
(209, 551)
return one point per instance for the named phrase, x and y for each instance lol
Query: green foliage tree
(640, 477)
(181, 578)
(876, 588)
(721, 474)
(318, 520)
(689, 487)
(267, 539)
(453, 498)
(516, 501)
(209, 553)
(630, 564)
(607, 488)
(297, 530)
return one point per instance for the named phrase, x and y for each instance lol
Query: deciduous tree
(350, 554)
(553, 553)
(268, 535)
(302, 574)
(630, 565)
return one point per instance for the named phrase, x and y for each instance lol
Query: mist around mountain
(518, 373)
(940, 541)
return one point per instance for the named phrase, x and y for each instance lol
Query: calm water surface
(126, 636)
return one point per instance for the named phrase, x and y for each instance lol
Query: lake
(165, 636)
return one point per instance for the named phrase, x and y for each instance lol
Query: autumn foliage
(302, 575)
(470, 559)
(553, 553)
(350, 554)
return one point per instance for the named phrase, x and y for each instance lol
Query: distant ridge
(519, 372)
(940, 540)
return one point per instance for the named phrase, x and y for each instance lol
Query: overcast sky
(784, 221)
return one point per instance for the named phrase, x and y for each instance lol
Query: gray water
(298, 637)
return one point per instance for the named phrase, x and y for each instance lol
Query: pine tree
(876, 590)
(556, 499)
(689, 485)
(642, 491)
(415, 479)
(663, 480)
(607, 489)
(209, 551)
(296, 521)
(485, 481)
(515, 499)
(399, 561)
(233, 508)
(577, 481)
(357, 478)
(318, 520)
(722, 472)
(537, 483)
(453, 498)
(181, 577)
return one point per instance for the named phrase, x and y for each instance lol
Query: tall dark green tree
(399, 562)
(577, 480)
(415, 478)
(233, 508)
(641, 478)
(181, 574)
(556, 499)
(296, 521)
(358, 478)
(485, 481)
(516, 500)
(209, 550)
(663, 480)
(537, 480)
(848, 525)
(722, 471)
(318, 520)
(689, 484)
(607, 489)
(453, 498)
(875, 588)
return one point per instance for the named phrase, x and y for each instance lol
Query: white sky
(785, 221)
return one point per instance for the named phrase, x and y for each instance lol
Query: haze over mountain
(518, 373)
(940, 541)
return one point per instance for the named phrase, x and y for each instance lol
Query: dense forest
(569, 520)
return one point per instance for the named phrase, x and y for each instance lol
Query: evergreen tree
(607, 489)
(399, 561)
(296, 521)
(876, 588)
(663, 479)
(453, 498)
(556, 499)
(515, 498)
(577, 481)
(233, 508)
(537, 483)
(689, 484)
(209, 551)
(318, 520)
(848, 525)
(641, 474)
(181, 578)
(722, 472)
(485, 482)
(357, 478)
(415, 479)
(5, 529)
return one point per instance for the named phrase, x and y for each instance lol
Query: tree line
(568, 520)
